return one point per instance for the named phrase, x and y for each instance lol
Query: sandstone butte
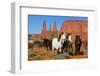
(69, 26)
(75, 27)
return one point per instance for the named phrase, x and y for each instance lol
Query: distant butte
(68, 26)
(75, 27)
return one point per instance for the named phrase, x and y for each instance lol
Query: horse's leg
(72, 46)
(55, 51)
(68, 46)
(58, 52)
(72, 49)
(66, 49)
(47, 47)
(77, 51)
(50, 47)
(62, 50)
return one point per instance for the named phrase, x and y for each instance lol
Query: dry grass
(37, 53)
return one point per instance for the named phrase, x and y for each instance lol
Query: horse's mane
(60, 36)
(67, 36)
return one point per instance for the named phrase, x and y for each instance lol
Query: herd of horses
(61, 44)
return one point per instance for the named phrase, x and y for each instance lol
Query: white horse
(70, 38)
(58, 42)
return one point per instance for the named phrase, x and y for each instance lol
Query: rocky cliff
(75, 27)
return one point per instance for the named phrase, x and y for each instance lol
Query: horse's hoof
(58, 53)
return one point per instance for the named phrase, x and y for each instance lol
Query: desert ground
(41, 53)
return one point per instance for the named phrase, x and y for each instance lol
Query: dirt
(37, 53)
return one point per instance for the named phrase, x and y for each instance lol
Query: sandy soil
(38, 53)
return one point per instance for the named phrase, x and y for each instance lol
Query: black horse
(67, 45)
(38, 43)
(47, 43)
(78, 43)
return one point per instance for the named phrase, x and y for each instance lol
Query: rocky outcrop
(55, 27)
(46, 32)
(69, 26)
(44, 29)
(75, 27)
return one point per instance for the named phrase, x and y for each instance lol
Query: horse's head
(62, 37)
(77, 37)
(68, 35)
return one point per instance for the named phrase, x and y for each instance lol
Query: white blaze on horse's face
(70, 38)
(64, 36)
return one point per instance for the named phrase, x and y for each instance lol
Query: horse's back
(56, 44)
(54, 40)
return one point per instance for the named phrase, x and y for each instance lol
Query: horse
(68, 44)
(58, 42)
(30, 44)
(38, 44)
(78, 43)
(47, 43)
(65, 46)
(85, 44)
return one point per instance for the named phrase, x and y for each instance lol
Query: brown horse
(48, 44)
(78, 43)
(67, 45)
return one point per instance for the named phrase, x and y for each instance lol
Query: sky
(35, 22)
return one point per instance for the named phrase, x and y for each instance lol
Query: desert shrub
(53, 35)
(50, 55)
(33, 52)
(42, 53)
(62, 56)
(39, 57)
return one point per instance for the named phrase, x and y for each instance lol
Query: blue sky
(35, 22)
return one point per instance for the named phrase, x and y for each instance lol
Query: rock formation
(46, 32)
(44, 29)
(55, 27)
(68, 26)
(75, 27)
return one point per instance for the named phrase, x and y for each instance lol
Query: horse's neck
(69, 38)
(59, 40)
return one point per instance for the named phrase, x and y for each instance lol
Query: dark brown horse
(48, 44)
(78, 43)
(67, 45)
